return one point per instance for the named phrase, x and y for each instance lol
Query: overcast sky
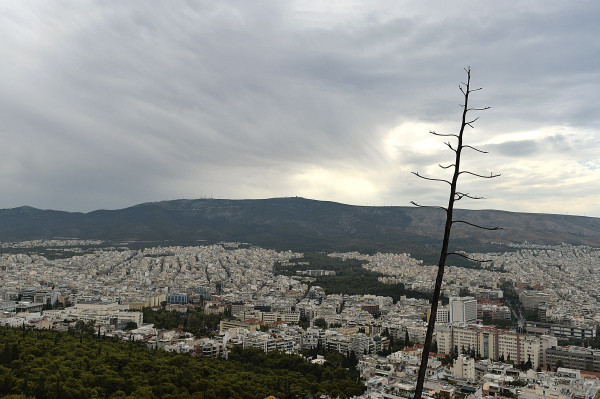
(107, 104)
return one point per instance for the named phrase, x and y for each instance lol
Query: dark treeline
(194, 321)
(50, 364)
(348, 273)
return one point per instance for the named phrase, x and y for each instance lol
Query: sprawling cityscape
(524, 325)
(299, 199)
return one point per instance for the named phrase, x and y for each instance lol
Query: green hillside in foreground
(51, 364)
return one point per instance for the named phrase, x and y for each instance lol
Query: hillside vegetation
(51, 364)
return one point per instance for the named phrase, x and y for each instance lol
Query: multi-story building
(100, 313)
(269, 343)
(251, 325)
(312, 337)
(416, 330)
(48, 296)
(8, 306)
(28, 307)
(494, 312)
(27, 294)
(464, 367)
(494, 343)
(209, 348)
(531, 300)
(286, 317)
(574, 357)
(443, 315)
(463, 310)
(565, 331)
(179, 299)
(156, 300)
(238, 308)
(358, 343)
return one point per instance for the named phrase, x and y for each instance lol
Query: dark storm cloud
(107, 104)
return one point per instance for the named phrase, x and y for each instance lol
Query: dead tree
(455, 195)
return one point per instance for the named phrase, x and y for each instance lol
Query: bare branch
(478, 109)
(446, 167)
(449, 145)
(428, 206)
(468, 257)
(455, 195)
(429, 178)
(473, 148)
(491, 176)
(443, 135)
(460, 196)
(473, 121)
(476, 225)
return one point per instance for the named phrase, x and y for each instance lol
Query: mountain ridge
(297, 223)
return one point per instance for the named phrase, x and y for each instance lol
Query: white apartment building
(271, 317)
(286, 317)
(463, 310)
(464, 367)
(269, 343)
(493, 343)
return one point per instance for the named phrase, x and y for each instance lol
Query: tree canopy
(51, 364)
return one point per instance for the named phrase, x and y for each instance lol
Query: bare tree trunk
(454, 196)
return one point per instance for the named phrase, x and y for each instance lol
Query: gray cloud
(107, 104)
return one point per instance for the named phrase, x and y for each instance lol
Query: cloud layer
(108, 104)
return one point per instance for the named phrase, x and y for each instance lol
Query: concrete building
(463, 310)
(156, 300)
(179, 299)
(494, 343)
(564, 331)
(28, 307)
(532, 299)
(251, 325)
(574, 357)
(101, 313)
(443, 315)
(286, 317)
(464, 367)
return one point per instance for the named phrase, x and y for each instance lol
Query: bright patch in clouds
(108, 104)
(349, 185)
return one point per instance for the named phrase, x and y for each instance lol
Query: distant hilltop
(300, 224)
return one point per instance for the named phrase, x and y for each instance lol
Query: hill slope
(296, 223)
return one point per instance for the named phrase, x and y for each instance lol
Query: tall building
(494, 343)
(463, 310)
(443, 315)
